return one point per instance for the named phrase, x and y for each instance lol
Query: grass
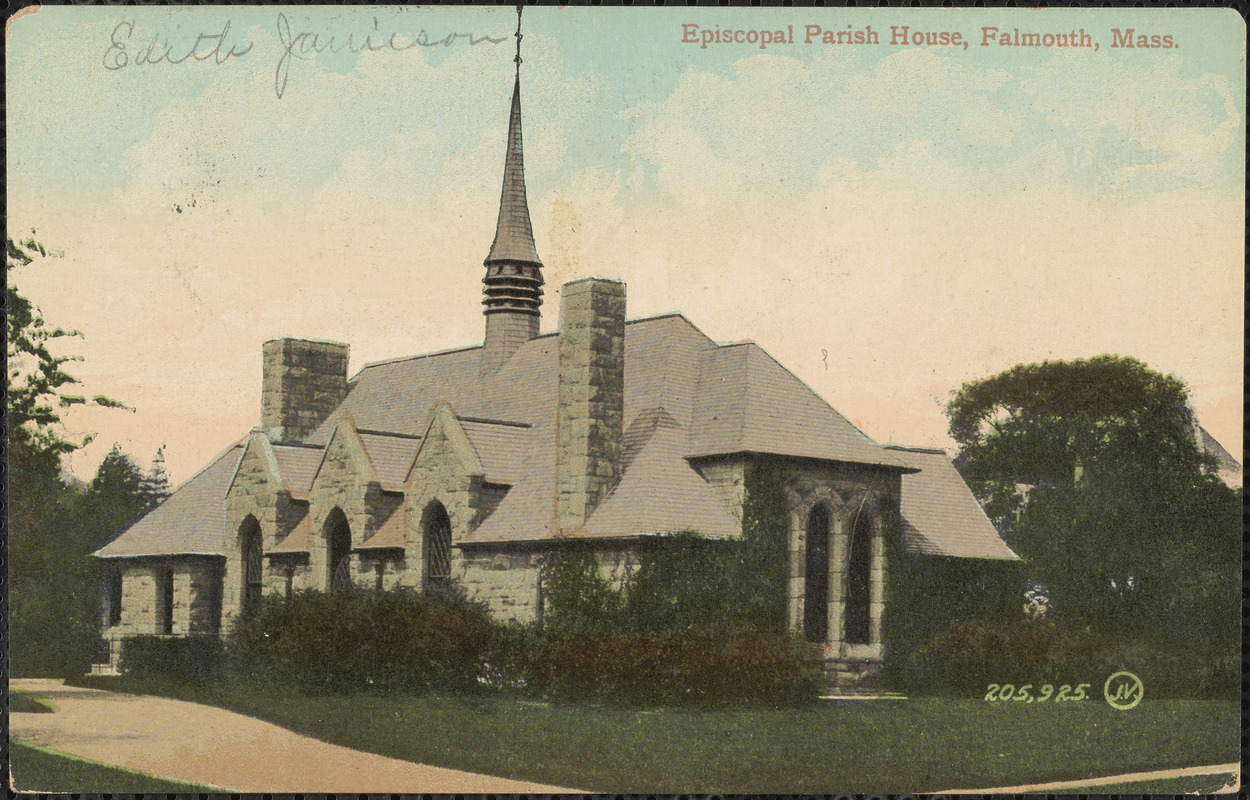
(917, 745)
(24, 703)
(37, 769)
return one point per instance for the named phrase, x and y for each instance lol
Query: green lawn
(24, 703)
(37, 769)
(917, 745)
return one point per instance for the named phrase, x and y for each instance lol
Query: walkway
(1058, 787)
(206, 745)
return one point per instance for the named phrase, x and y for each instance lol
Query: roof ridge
(485, 421)
(394, 434)
(431, 354)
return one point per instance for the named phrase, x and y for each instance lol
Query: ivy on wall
(684, 580)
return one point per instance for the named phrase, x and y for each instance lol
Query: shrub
(969, 656)
(694, 666)
(352, 641)
(188, 659)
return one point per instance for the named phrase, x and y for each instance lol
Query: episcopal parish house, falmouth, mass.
(468, 465)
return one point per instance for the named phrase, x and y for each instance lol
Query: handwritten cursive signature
(303, 45)
(206, 46)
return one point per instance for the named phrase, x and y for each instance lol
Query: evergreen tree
(155, 484)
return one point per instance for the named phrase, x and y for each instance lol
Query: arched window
(436, 538)
(338, 552)
(858, 582)
(816, 581)
(252, 550)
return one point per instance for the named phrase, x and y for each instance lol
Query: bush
(188, 659)
(969, 656)
(694, 666)
(353, 641)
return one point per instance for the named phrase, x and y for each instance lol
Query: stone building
(468, 465)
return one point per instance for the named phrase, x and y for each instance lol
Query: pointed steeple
(514, 237)
(513, 283)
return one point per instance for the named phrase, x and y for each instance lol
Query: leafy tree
(1121, 520)
(1044, 425)
(36, 377)
(52, 579)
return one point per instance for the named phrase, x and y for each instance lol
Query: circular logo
(1123, 690)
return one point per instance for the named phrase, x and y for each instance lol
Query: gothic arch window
(436, 540)
(338, 552)
(252, 548)
(857, 625)
(816, 575)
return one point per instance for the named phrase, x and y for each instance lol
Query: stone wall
(256, 494)
(303, 381)
(196, 594)
(506, 581)
(345, 482)
(591, 399)
(847, 490)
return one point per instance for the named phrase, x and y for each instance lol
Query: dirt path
(1133, 777)
(206, 745)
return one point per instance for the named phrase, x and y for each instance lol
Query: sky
(888, 220)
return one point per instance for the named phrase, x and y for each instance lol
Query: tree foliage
(54, 581)
(1122, 520)
(1035, 424)
(52, 527)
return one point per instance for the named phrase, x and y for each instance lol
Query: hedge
(694, 666)
(189, 659)
(351, 641)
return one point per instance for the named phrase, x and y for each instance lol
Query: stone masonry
(591, 402)
(303, 381)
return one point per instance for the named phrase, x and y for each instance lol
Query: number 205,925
(1024, 694)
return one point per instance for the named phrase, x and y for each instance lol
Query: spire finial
(519, 36)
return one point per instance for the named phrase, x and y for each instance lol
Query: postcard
(670, 400)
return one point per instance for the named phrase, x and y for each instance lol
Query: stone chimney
(304, 380)
(590, 414)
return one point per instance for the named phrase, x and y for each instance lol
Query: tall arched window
(338, 552)
(436, 538)
(252, 549)
(816, 580)
(858, 582)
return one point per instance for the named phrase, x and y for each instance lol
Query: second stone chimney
(304, 380)
(590, 415)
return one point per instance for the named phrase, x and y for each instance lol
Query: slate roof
(661, 493)
(390, 455)
(685, 397)
(297, 466)
(1227, 467)
(190, 521)
(300, 539)
(941, 516)
(502, 447)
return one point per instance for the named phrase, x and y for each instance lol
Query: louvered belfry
(513, 283)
